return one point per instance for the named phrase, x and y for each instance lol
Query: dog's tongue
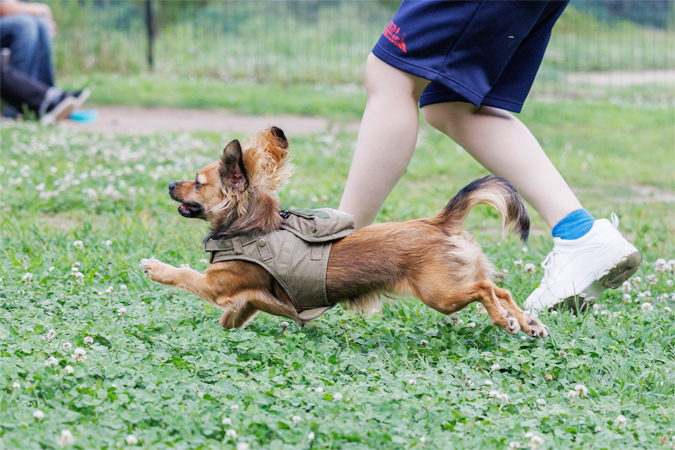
(184, 208)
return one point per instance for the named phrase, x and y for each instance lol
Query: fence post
(150, 25)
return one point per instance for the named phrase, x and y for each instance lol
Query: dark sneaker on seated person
(58, 108)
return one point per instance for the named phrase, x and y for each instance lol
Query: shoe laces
(615, 220)
(548, 262)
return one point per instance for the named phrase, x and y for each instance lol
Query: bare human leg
(386, 139)
(504, 146)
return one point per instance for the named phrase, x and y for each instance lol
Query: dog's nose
(172, 186)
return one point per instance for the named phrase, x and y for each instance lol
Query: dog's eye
(196, 183)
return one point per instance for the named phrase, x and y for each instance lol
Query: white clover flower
(626, 287)
(518, 263)
(514, 445)
(284, 325)
(337, 397)
(372, 356)
(51, 334)
(535, 441)
(581, 390)
(234, 408)
(646, 307)
(662, 266)
(636, 280)
(572, 395)
(529, 435)
(131, 440)
(20, 292)
(243, 446)
(123, 287)
(108, 243)
(541, 402)
(67, 346)
(227, 421)
(495, 367)
(69, 370)
(296, 419)
(598, 428)
(488, 383)
(318, 390)
(617, 314)
(480, 309)
(504, 397)
(652, 278)
(88, 340)
(562, 354)
(79, 355)
(310, 436)
(27, 277)
(38, 415)
(667, 309)
(412, 381)
(493, 394)
(231, 433)
(51, 361)
(66, 438)
(110, 290)
(620, 421)
(471, 324)
(529, 268)
(627, 299)
(424, 342)
(78, 245)
(16, 385)
(122, 311)
(200, 394)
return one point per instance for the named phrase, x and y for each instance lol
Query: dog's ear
(281, 137)
(232, 168)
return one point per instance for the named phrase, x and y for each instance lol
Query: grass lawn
(78, 211)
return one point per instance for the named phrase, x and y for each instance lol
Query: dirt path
(130, 120)
(622, 78)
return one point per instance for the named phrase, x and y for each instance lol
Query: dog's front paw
(152, 268)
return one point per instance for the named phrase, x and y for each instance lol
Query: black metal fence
(609, 45)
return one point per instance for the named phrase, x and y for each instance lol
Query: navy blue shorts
(481, 52)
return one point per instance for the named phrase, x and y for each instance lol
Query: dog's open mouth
(190, 209)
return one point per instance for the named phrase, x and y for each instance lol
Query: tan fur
(433, 259)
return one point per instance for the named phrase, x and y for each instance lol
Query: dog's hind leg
(448, 302)
(530, 326)
(238, 314)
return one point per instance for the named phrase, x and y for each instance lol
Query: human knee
(381, 78)
(22, 27)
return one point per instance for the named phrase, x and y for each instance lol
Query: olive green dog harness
(296, 254)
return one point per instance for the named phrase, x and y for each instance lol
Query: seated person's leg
(19, 33)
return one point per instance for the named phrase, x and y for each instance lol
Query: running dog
(432, 258)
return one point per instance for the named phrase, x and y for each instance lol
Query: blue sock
(575, 225)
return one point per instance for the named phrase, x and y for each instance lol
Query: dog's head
(238, 194)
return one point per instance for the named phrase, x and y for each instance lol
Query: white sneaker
(583, 268)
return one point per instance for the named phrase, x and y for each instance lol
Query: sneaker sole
(625, 269)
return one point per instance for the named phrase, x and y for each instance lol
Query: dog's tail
(493, 191)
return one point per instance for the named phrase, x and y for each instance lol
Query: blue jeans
(31, 45)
